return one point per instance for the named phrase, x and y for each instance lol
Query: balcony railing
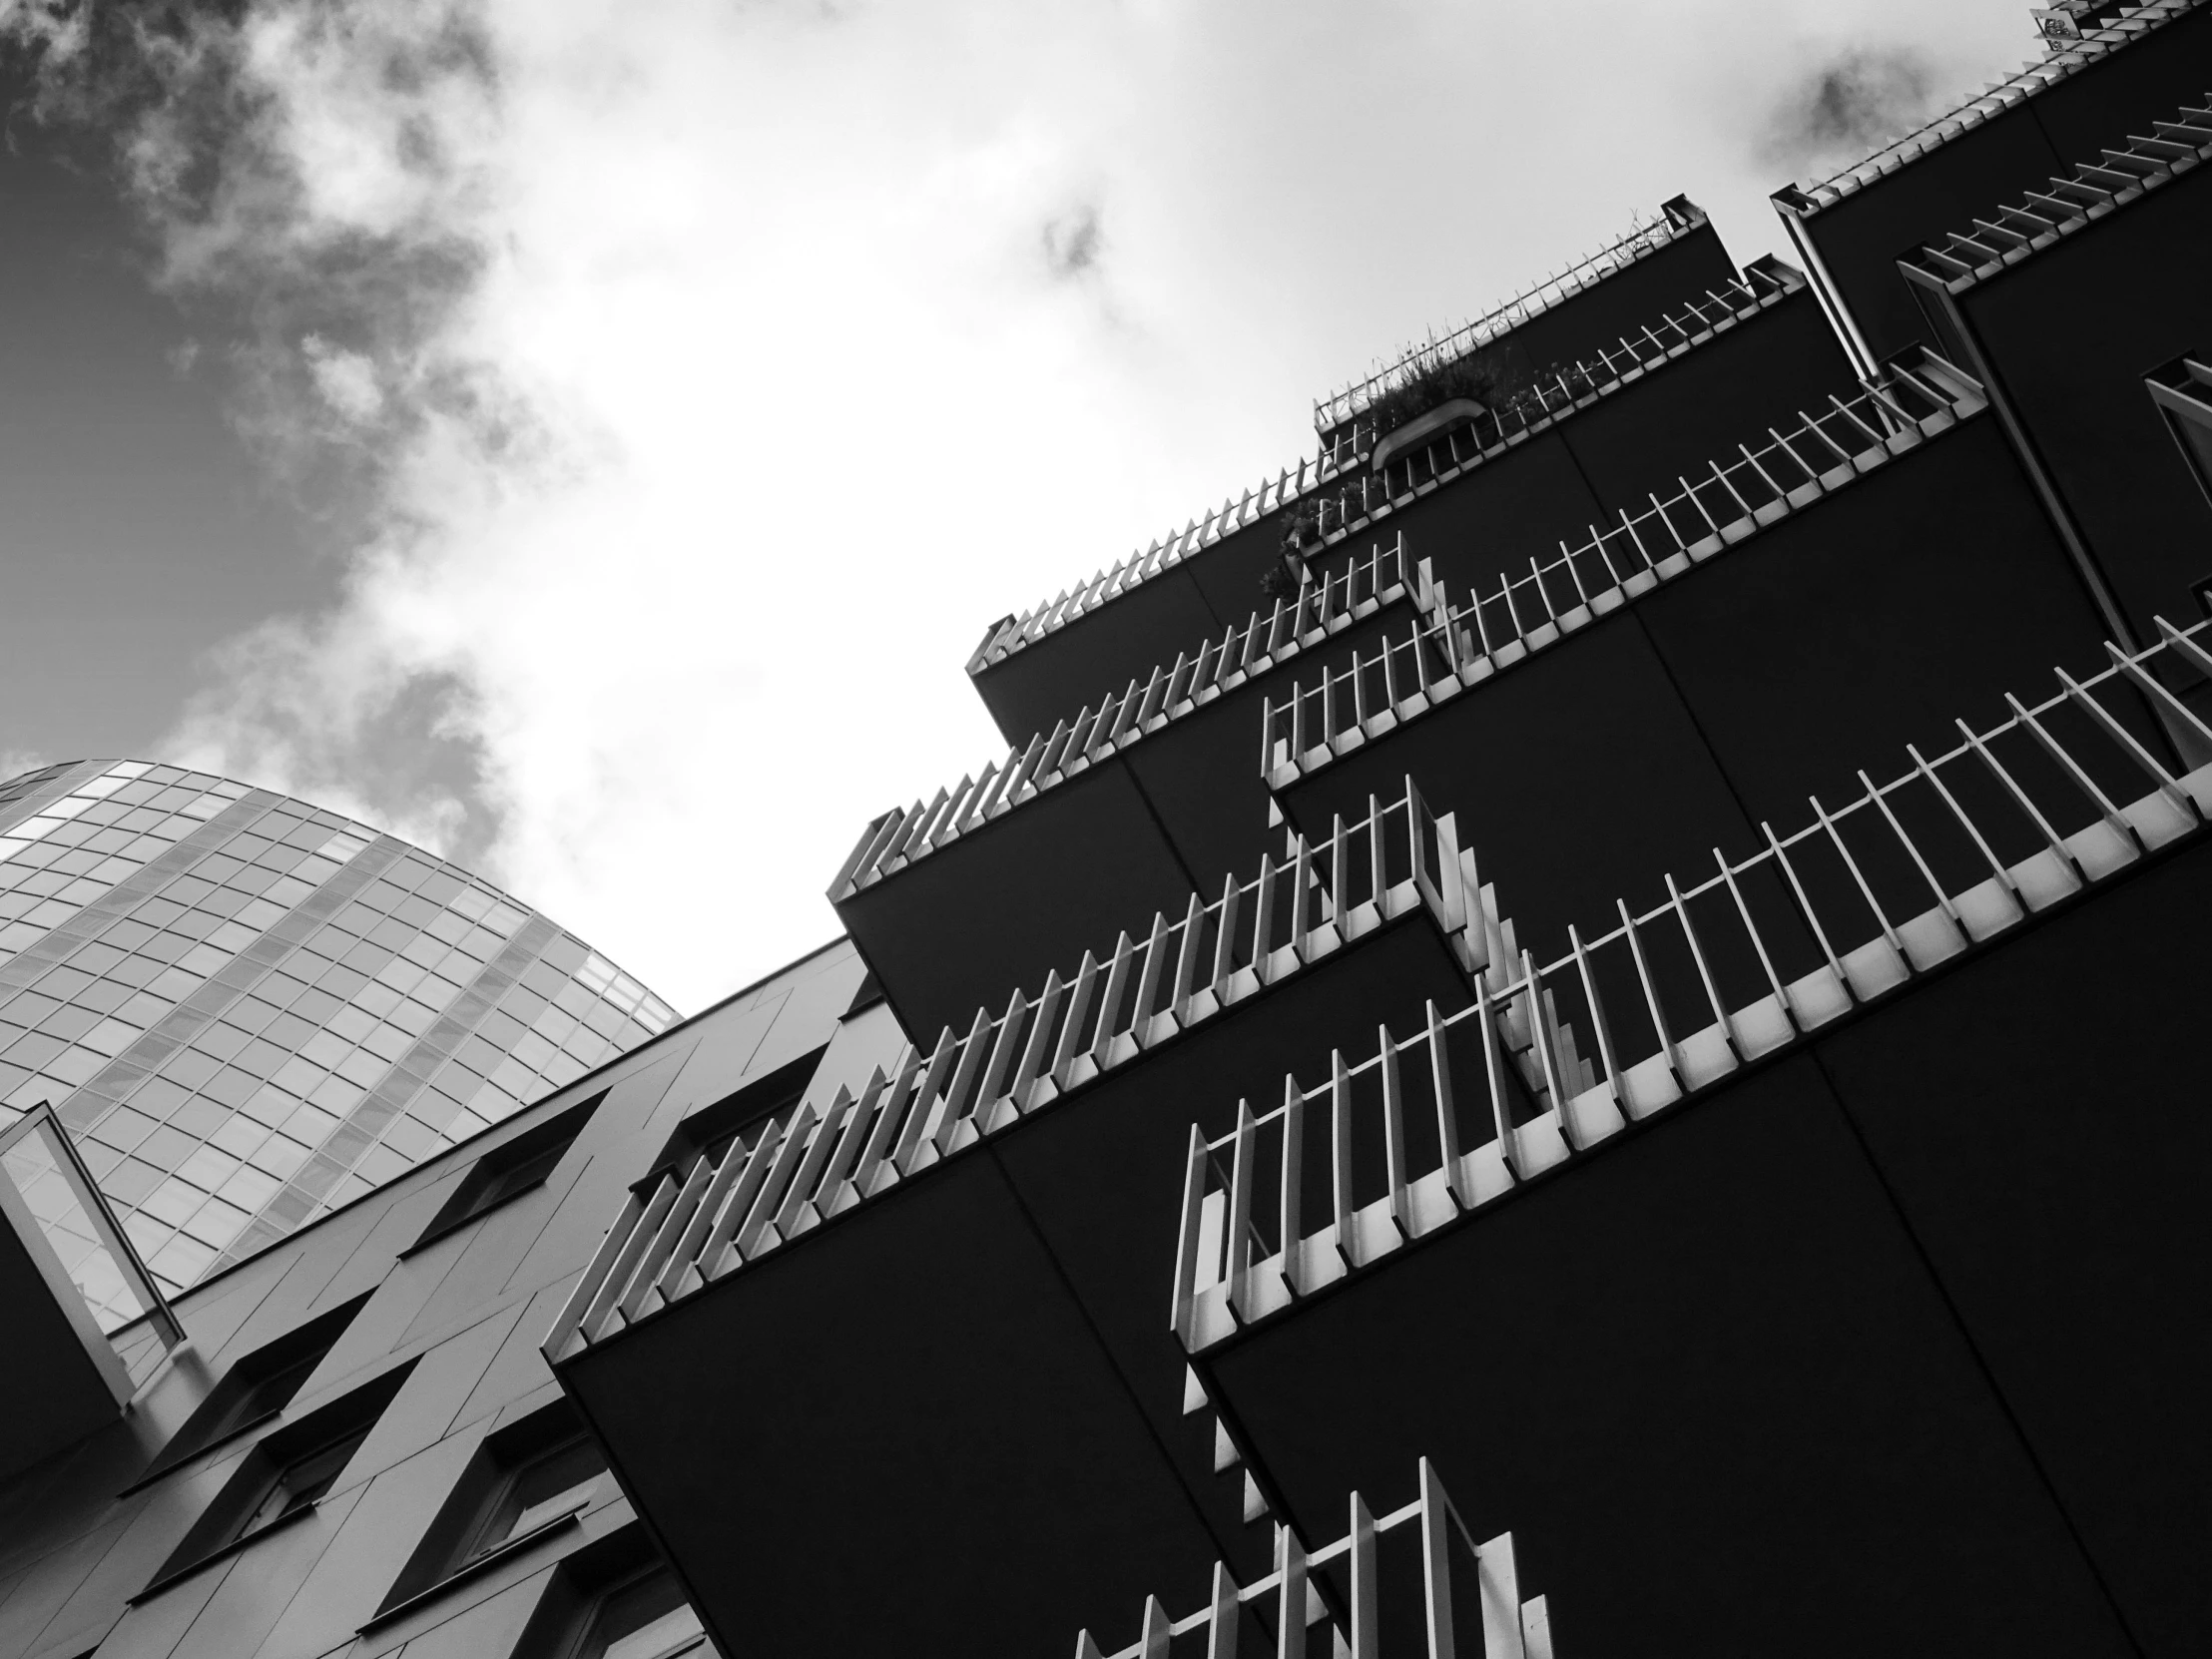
(699, 1223)
(1361, 499)
(2088, 193)
(1430, 661)
(1868, 896)
(1288, 488)
(1643, 237)
(1323, 607)
(2095, 43)
(1338, 1599)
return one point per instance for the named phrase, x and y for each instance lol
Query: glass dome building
(248, 1010)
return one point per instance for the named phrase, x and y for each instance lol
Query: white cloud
(346, 380)
(713, 375)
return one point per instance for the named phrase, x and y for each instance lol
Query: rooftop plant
(1427, 383)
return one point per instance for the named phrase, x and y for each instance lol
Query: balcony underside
(991, 1343)
(1893, 1346)
(1676, 723)
(1106, 849)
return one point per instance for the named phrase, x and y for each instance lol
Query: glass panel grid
(243, 1123)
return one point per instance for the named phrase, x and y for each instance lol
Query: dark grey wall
(1873, 618)
(1893, 1345)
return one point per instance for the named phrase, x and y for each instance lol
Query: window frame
(225, 1526)
(588, 1641)
(452, 1550)
(489, 1184)
(224, 1415)
(578, 1591)
(713, 1128)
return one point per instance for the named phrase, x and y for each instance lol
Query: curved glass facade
(249, 1010)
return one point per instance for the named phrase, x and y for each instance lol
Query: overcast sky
(590, 437)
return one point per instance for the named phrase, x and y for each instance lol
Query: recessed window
(527, 1478)
(614, 1599)
(304, 1480)
(646, 1619)
(557, 1482)
(510, 1170)
(283, 1476)
(257, 1387)
(713, 1128)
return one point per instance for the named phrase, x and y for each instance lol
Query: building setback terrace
(696, 1225)
(2089, 92)
(1583, 440)
(1402, 678)
(1651, 311)
(1643, 239)
(1861, 902)
(1885, 1149)
(1168, 590)
(2075, 399)
(1064, 1107)
(1713, 661)
(1151, 794)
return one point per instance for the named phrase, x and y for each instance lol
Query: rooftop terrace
(2097, 43)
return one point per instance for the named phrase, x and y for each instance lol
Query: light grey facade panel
(466, 1313)
(446, 1372)
(723, 1054)
(365, 1551)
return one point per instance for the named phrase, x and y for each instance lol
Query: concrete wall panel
(261, 1581)
(367, 1550)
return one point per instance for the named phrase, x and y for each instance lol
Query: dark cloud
(1073, 244)
(1852, 103)
(199, 131)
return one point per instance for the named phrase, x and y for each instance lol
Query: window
(646, 1619)
(257, 1387)
(713, 1128)
(528, 1478)
(283, 1478)
(615, 1599)
(510, 1170)
(304, 1480)
(557, 1482)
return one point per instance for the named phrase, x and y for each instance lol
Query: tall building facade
(1569, 1029)
(249, 1010)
